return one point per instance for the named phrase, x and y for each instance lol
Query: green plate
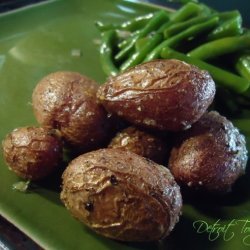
(37, 40)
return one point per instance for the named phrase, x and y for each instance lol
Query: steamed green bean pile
(214, 41)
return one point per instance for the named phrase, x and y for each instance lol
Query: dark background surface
(8, 5)
(10, 237)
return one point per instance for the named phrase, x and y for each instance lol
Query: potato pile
(65, 106)
(115, 185)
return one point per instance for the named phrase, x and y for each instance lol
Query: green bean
(106, 52)
(222, 77)
(164, 26)
(138, 57)
(136, 23)
(131, 25)
(180, 26)
(103, 27)
(125, 42)
(229, 15)
(206, 10)
(140, 43)
(188, 10)
(231, 27)
(175, 40)
(231, 24)
(242, 65)
(221, 47)
(154, 23)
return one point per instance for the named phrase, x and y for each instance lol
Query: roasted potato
(161, 94)
(142, 143)
(67, 101)
(209, 156)
(122, 195)
(32, 153)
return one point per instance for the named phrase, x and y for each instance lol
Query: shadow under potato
(239, 193)
(50, 187)
(183, 236)
(115, 244)
(52, 182)
(215, 205)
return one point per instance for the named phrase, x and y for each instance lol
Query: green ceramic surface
(37, 40)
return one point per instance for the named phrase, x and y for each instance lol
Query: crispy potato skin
(209, 156)
(32, 153)
(67, 101)
(142, 143)
(161, 94)
(122, 195)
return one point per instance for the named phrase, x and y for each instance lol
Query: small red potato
(67, 101)
(161, 94)
(210, 156)
(122, 195)
(142, 143)
(32, 153)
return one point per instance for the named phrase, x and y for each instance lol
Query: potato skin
(161, 94)
(142, 143)
(210, 156)
(122, 195)
(32, 153)
(67, 101)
